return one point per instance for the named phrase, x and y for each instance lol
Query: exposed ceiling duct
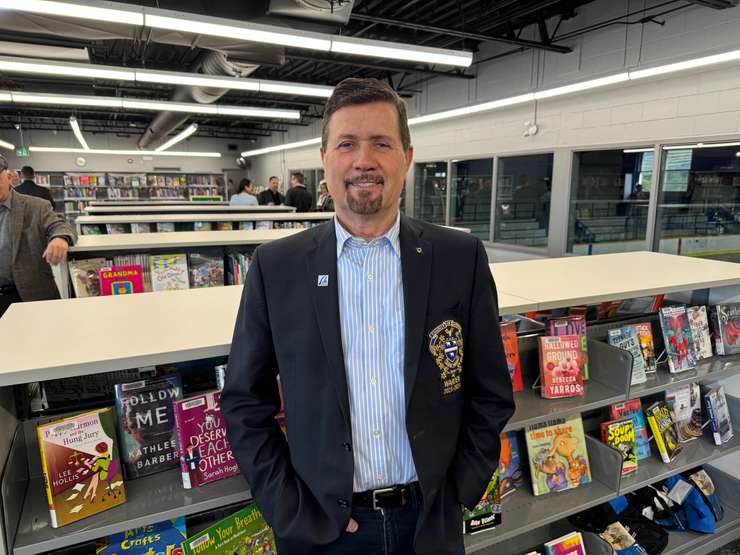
(333, 11)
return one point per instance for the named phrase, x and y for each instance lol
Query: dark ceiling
(455, 24)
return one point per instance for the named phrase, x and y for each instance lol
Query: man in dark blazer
(29, 187)
(32, 236)
(394, 401)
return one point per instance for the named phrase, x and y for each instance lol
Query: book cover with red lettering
(511, 348)
(205, 453)
(121, 280)
(560, 371)
(574, 324)
(81, 466)
(146, 424)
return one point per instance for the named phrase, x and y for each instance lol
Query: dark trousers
(6, 299)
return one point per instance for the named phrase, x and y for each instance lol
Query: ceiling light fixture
(181, 136)
(701, 145)
(78, 132)
(64, 69)
(687, 64)
(399, 51)
(298, 144)
(124, 152)
(96, 11)
(582, 86)
(636, 150)
(9, 146)
(175, 78)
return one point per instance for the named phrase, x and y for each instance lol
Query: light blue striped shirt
(371, 313)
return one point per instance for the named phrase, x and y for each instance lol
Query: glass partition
(699, 205)
(430, 191)
(470, 199)
(610, 192)
(312, 178)
(523, 186)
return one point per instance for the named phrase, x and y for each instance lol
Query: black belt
(8, 290)
(386, 498)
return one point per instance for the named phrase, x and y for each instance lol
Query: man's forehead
(347, 118)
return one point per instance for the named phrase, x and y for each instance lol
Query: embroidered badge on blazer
(446, 347)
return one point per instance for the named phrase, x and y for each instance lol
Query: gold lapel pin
(418, 249)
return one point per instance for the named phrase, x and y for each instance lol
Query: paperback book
(558, 459)
(726, 324)
(511, 349)
(121, 280)
(205, 453)
(161, 538)
(511, 474)
(114, 229)
(679, 343)
(570, 544)
(146, 419)
(206, 270)
(661, 424)
(699, 324)
(560, 371)
(81, 466)
(684, 403)
(633, 410)
(169, 272)
(620, 435)
(85, 274)
(243, 533)
(719, 415)
(647, 345)
(572, 325)
(626, 338)
(487, 513)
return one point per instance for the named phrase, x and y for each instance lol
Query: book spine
(658, 436)
(182, 442)
(711, 413)
(47, 487)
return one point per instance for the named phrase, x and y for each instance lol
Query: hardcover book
(572, 325)
(205, 453)
(620, 435)
(165, 227)
(245, 532)
(169, 272)
(726, 321)
(161, 538)
(511, 474)
(146, 420)
(560, 371)
(570, 544)
(558, 459)
(699, 324)
(626, 338)
(81, 466)
(664, 430)
(121, 280)
(645, 336)
(141, 228)
(679, 344)
(633, 409)
(719, 415)
(85, 276)
(487, 513)
(511, 348)
(684, 403)
(114, 229)
(206, 270)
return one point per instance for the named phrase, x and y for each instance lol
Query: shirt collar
(391, 236)
(8, 202)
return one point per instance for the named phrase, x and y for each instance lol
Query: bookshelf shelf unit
(180, 207)
(525, 516)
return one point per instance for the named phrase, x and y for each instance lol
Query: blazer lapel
(416, 265)
(17, 214)
(322, 261)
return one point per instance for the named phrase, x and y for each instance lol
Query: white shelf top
(225, 217)
(562, 282)
(133, 202)
(177, 239)
(189, 207)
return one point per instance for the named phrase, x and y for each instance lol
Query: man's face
(6, 177)
(364, 159)
(274, 184)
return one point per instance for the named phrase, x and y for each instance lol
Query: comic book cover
(573, 324)
(487, 513)
(511, 348)
(243, 533)
(699, 324)
(661, 424)
(719, 414)
(684, 403)
(81, 466)
(726, 321)
(679, 343)
(558, 459)
(560, 371)
(620, 435)
(169, 272)
(645, 337)
(633, 409)
(570, 544)
(626, 338)
(619, 538)
(160, 538)
(511, 474)
(205, 270)
(121, 280)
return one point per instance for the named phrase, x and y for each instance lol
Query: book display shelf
(528, 521)
(177, 207)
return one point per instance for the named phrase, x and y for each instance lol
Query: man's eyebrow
(372, 137)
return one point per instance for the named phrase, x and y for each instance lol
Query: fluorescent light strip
(5, 96)
(467, 110)
(9, 146)
(397, 51)
(124, 152)
(636, 150)
(266, 150)
(700, 145)
(64, 69)
(688, 64)
(582, 86)
(182, 135)
(174, 78)
(78, 132)
(295, 88)
(66, 100)
(98, 12)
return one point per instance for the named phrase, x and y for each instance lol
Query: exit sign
(21, 152)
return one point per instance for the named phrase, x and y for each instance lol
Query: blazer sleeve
(489, 400)
(55, 225)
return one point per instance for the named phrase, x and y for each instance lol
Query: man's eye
(345, 144)
(383, 145)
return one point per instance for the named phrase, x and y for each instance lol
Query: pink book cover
(121, 280)
(572, 544)
(205, 453)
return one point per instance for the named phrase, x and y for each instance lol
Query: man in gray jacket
(32, 236)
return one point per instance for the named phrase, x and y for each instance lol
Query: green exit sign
(21, 152)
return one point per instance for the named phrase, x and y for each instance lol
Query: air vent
(335, 11)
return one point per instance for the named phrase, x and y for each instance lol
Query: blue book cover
(161, 538)
(511, 475)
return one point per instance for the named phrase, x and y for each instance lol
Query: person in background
(298, 196)
(29, 187)
(32, 236)
(271, 196)
(325, 202)
(245, 194)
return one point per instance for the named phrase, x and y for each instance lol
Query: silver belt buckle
(375, 499)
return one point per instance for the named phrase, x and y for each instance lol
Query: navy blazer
(287, 324)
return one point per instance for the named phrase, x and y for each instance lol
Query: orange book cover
(511, 348)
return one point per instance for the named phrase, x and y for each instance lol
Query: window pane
(470, 203)
(523, 187)
(699, 208)
(609, 201)
(430, 191)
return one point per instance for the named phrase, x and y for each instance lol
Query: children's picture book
(726, 328)
(85, 274)
(621, 541)
(560, 371)
(664, 431)
(699, 324)
(146, 420)
(114, 229)
(206, 270)
(81, 466)
(719, 414)
(558, 459)
(626, 338)
(679, 343)
(573, 324)
(511, 348)
(511, 473)
(570, 544)
(160, 538)
(169, 272)
(487, 513)
(645, 336)
(121, 280)
(141, 228)
(243, 533)
(205, 453)
(633, 409)
(620, 435)
(684, 403)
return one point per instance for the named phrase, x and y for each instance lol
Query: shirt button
(347, 446)
(342, 502)
(376, 433)
(369, 277)
(381, 477)
(373, 381)
(371, 328)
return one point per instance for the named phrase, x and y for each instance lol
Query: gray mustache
(363, 178)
